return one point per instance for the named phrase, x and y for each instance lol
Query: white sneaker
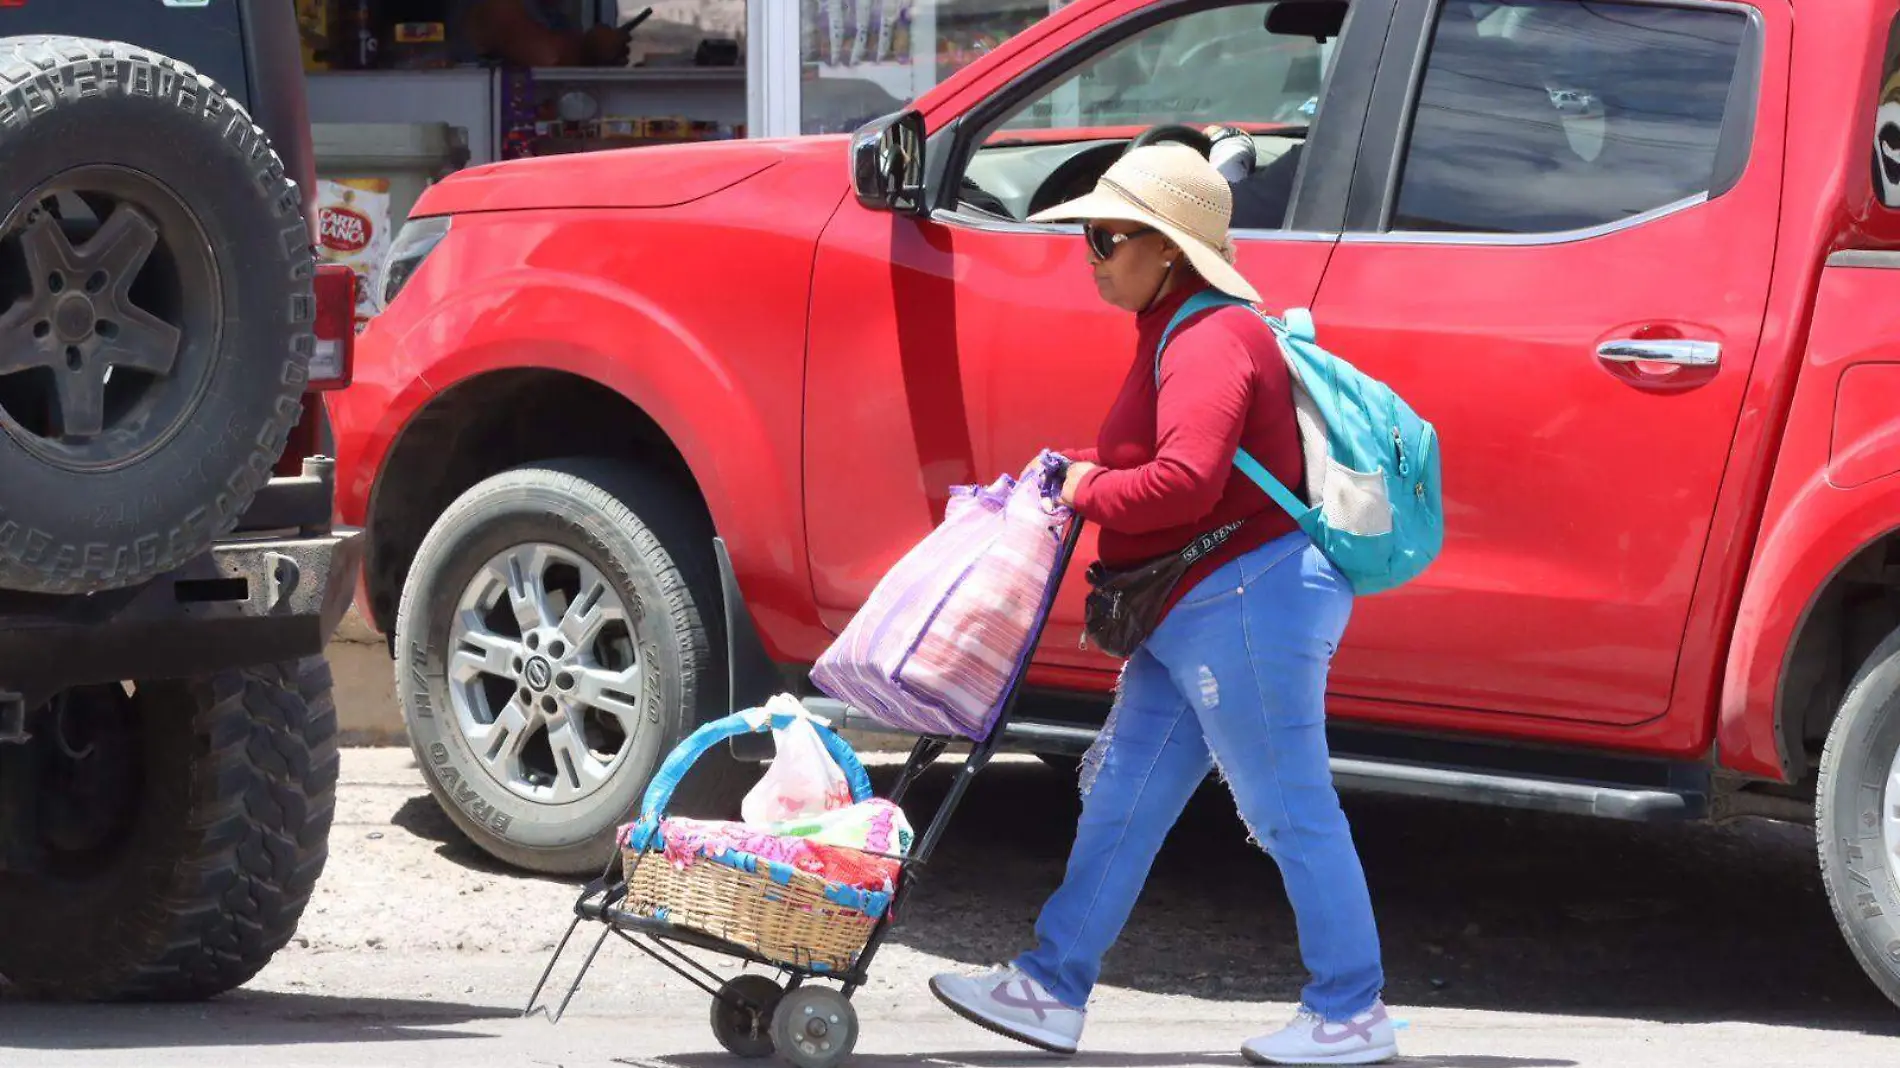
(1365, 1039)
(1013, 1005)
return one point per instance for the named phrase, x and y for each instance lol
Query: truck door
(950, 349)
(1563, 262)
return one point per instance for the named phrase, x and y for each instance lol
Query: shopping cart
(820, 941)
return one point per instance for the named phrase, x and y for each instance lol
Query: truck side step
(1580, 797)
(1545, 795)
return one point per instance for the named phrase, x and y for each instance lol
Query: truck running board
(1604, 800)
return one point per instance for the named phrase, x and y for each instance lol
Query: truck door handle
(1674, 351)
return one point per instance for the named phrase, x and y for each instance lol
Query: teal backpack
(1371, 463)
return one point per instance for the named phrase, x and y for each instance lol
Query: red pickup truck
(1638, 261)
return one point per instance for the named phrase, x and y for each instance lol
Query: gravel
(1512, 940)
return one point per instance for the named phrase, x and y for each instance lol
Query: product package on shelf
(353, 229)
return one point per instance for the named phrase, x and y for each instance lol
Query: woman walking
(1234, 674)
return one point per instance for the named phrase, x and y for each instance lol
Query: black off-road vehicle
(168, 572)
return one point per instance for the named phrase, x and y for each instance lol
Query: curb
(366, 709)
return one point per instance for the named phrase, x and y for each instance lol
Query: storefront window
(673, 30)
(860, 59)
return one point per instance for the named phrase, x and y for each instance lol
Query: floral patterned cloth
(874, 825)
(836, 846)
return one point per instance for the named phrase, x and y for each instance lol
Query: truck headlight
(414, 242)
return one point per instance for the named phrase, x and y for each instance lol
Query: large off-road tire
(1857, 817)
(155, 313)
(183, 884)
(556, 637)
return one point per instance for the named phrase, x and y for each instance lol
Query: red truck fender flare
(1805, 542)
(749, 479)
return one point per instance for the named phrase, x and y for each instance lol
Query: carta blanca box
(353, 229)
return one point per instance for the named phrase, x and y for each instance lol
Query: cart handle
(645, 834)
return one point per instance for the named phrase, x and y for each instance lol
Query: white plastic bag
(802, 781)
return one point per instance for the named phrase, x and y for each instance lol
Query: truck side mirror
(887, 164)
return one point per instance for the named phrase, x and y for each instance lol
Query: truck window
(1219, 65)
(1212, 66)
(1887, 123)
(1538, 116)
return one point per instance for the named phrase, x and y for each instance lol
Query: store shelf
(460, 96)
(661, 75)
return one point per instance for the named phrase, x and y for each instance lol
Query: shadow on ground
(1086, 1059)
(1479, 908)
(423, 817)
(240, 1018)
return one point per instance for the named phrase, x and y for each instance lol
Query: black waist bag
(1124, 604)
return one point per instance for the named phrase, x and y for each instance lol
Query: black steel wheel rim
(742, 1015)
(89, 781)
(114, 317)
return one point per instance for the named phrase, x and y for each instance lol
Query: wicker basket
(790, 923)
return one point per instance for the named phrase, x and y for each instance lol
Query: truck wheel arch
(1824, 592)
(470, 431)
(505, 339)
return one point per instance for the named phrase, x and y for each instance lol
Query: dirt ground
(1512, 940)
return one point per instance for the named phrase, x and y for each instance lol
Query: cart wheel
(815, 1027)
(742, 1015)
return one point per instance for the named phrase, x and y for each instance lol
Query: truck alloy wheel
(1857, 816)
(545, 678)
(552, 646)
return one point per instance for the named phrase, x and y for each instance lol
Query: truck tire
(1857, 817)
(202, 873)
(155, 276)
(555, 638)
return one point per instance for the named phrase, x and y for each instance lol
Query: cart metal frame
(600, 899)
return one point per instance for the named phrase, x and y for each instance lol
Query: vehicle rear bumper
(251, 599)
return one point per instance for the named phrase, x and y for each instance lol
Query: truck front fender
(723, 383)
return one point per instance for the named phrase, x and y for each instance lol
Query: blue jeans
(1234, 677)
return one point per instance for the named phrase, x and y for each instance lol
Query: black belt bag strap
(1123, 605)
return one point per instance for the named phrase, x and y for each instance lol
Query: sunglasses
(1104, 242)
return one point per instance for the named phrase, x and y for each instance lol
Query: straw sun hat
(1173, 189)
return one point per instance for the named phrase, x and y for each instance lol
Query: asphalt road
(1512, 940)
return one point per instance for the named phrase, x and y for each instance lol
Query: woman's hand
(1072, 480)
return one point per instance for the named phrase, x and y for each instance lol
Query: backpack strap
(1274, 488)
(1299, 324)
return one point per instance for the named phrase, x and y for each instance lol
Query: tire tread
(671, 541)
(1881, 669)
(248, 853)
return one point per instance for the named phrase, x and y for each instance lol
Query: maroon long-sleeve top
(1167, 473)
